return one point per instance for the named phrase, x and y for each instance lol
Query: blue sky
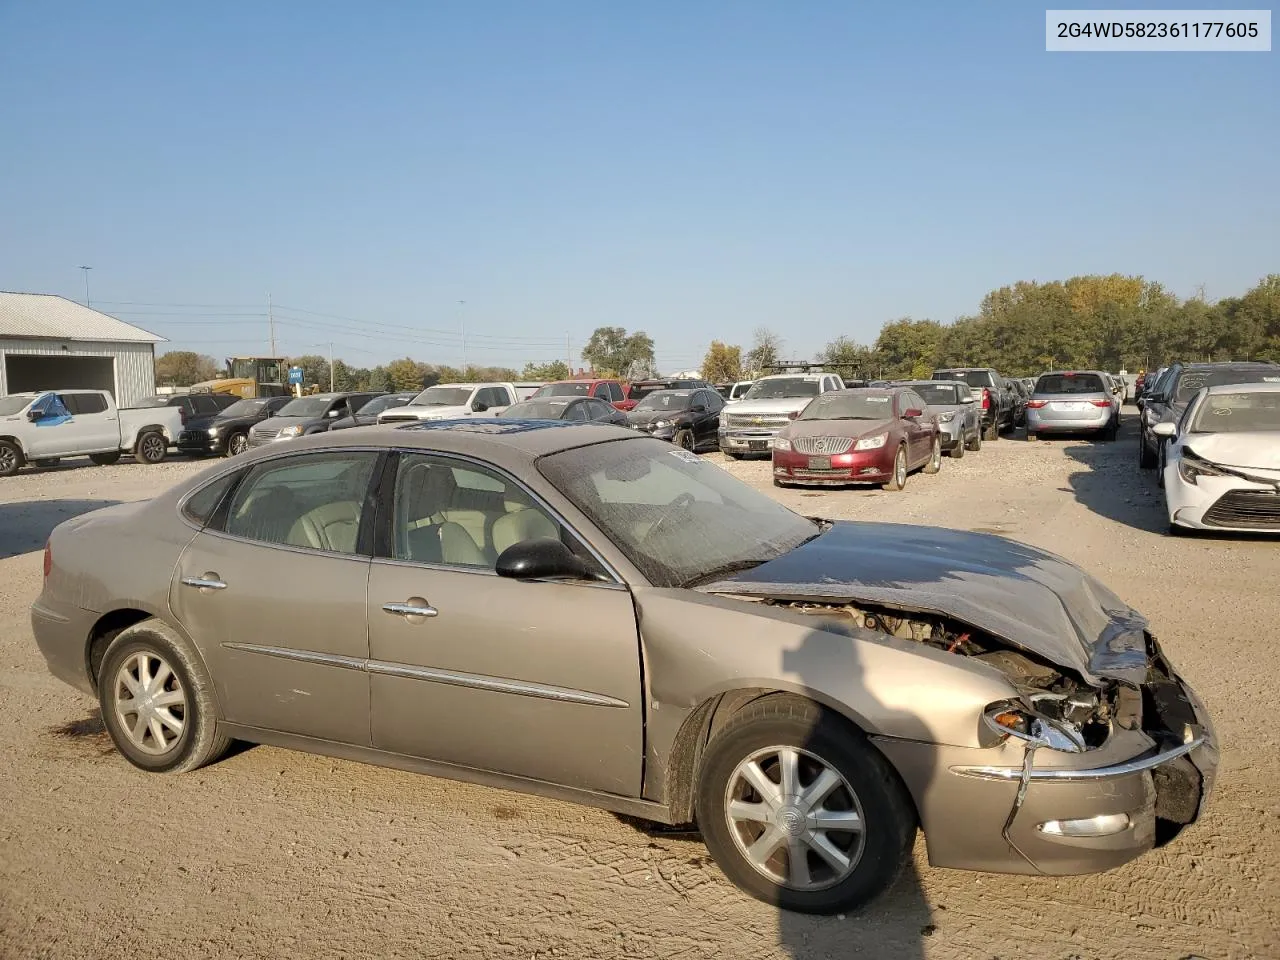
(694, 169)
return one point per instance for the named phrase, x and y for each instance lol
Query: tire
(1146, 459)
(105, 459)
(934, 463)
(237, 443)
(762, 734)
(1113, 429)
(48, 462)
(899, 479)
(684, 439)
(957, 452)
(991, 433)
(1160, 468)
(975, 444)
(151, 447)
(11, 458)
(161, 649)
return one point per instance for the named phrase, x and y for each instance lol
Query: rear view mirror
(479, 406)
(34, 415)
(1165, 429)
(540, 559)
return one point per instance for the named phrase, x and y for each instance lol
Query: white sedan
(1222, 460)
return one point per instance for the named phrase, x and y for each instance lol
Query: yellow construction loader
(249, 377)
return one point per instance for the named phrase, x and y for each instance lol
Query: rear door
(536, 679)
(273, 593)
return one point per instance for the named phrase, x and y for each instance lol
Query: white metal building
(49, 342)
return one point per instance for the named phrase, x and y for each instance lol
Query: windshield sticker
(1271, 379)
(685, 455)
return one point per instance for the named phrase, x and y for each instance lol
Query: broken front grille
(1259, 509)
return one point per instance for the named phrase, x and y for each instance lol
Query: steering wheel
(682, 502)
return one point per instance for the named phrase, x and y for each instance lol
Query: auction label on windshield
(1157, 31)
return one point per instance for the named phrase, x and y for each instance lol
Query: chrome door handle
(416, 607)
(209, 581)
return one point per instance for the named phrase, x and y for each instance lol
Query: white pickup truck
(43, 427)
(447, 401)
(749, 424)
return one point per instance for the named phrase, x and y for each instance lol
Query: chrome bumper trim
(1059, 774)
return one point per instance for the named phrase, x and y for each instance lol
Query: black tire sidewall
(140, 446)
(18, 459)
(890, 816)
(200, 720)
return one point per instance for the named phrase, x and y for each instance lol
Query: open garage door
(28, 371)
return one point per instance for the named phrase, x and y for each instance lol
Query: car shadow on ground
(25, 526)
(1111, 483)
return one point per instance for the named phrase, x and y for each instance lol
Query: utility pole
(86, 283)
(271, 324)
(332, 389)
(462, 320)
(568, 353)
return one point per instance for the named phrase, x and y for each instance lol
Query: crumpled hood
(746, 408)
(1025, 596)
(1258, 450)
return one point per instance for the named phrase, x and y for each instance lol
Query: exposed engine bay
(1053, 692)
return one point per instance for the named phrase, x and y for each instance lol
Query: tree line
(1109, 322)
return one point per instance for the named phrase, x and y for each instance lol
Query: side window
(460, 515)
(613, 392)
(313, 501)
(201, 505)
(578, 411)
(51, 407)
(205, 404)
(717, 401)
(358, 401)
(599, 410)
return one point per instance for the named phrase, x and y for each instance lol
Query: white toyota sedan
(1222, 460)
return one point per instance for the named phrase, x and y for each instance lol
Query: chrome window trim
(471, 681)
(534, 495)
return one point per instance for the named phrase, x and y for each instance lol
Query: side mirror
(35, 415)
(479, 406)
(966, 399)
(912, 414)
(1164, 429)
(698, 408)
(540, 559)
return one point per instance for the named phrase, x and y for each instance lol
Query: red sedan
(874, 435)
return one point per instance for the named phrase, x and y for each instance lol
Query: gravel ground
(278, 854)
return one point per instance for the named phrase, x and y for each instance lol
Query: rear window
(1070, 383)
(1194, 380)
(939, 394)
(563, 390)
(974, 378)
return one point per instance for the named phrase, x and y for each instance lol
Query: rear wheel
(799, 811)
(11, 459)
(899, 478)
(991, 432)
(237, 443)
(151, 447)
(957, 452)
(105, 459)
(974, 443)
(1146, 458)
(934, 463)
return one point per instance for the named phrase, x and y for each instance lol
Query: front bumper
(1228, 504)
(747, 439)
(991, 809)
(192, 442)
(861, 466)
(661, 433)
(951, 434)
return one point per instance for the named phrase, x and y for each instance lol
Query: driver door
(537, 679)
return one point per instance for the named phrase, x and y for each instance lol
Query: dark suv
(1167, 399)
(191, 405)
(993, 394)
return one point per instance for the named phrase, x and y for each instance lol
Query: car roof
(1245, 388)
(1070, 373)
(928, 383)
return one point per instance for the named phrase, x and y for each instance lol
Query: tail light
(986, 399)
(48, 560)
(1036, 404)
(1101, 403)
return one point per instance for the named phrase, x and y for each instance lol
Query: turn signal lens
(1008, 719)
(1103, 825)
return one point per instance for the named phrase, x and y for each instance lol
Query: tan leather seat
(433, 497)
(332, 527)
(444, 543)
(527, 524)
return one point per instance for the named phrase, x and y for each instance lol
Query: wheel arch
(110, 625)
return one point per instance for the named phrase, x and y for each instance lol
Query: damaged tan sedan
(579, 612)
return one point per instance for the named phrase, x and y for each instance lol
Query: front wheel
(1146, 459)
(151, 447)
(899, 478)
(957, 452)
(105, 459)
(991, 432)
(800, 811)
(934, 463)
(11, 459)
(684, 439)
(237, 443)
(974, 443)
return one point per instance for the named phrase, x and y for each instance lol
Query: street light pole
(462, 320)
(86, 283)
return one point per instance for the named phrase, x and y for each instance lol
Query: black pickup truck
(993, 394)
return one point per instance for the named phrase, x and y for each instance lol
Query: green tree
(380, 379)
(848, 358)
(555, 370)
(765, 349)
(722, 363)
(182, 368)
(908, 349)
(407, 374)
(613, 350)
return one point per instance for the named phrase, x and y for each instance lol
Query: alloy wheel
(238, 444)
(935, 457)
(794, 818)
(8, 461)
(150, 703)
(153, 448)
(900, 468)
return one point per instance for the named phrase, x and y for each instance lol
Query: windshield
(850, 405)
(305, 407)
(677, 517)
(938, 394)
(1193, 381)
(378, 404)
(783, 387)
(442, 397)
(1238, 412)
(563, 390)
(666, 400)
(244, 408)
(974, 378)
(536, 410)
(1070, 383)
(11, 405)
